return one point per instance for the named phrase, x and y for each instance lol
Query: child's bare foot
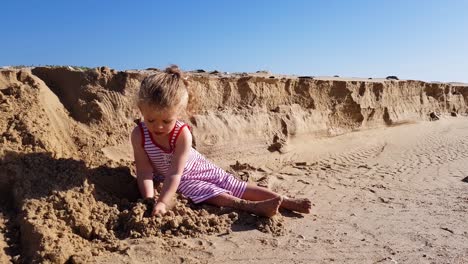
(266, 208)
(300, 205)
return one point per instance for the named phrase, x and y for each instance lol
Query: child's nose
(157, 127)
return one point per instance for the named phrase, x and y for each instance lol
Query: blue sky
(425, 40)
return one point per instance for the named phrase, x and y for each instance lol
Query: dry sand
(388, 185)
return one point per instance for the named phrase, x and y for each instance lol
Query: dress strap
(144, 133)
(177, 130)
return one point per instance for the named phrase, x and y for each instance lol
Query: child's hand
(159, 209)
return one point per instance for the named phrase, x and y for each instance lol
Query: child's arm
(171, 183)
(144, 170)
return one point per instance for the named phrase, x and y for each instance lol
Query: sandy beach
(389, 183)
(393, 195)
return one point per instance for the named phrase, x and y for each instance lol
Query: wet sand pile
(65, 211)
(66, 162)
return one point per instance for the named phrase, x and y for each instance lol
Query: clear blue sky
(425, 39)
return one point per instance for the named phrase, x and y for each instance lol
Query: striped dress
(200, 179)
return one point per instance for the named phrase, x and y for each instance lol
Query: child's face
(159, 122)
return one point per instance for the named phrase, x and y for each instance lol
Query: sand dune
(388, 184)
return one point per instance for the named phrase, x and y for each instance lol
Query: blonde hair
(164, 90)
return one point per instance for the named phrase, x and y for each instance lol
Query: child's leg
(257, 193)
(265, 207)
(254, 192)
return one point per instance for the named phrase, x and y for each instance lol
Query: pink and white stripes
(201, 179)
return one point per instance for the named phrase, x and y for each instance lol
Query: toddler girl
(163, 151)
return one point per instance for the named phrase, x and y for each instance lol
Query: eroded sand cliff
(66, 164)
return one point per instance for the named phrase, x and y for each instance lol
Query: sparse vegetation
(20, 66)
(83, 68)
(392, 77)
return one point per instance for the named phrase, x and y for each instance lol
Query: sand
(388, 184)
